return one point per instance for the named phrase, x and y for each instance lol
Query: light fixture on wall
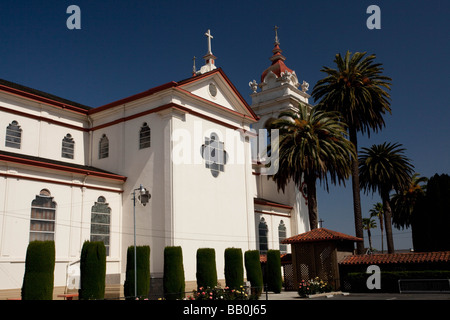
(144, 197)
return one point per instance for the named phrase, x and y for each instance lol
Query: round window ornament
(212, 89)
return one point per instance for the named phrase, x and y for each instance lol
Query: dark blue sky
(125, 47)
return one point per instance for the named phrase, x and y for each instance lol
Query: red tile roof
(320, 234)
(411, 257)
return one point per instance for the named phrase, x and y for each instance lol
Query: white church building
(68, 172)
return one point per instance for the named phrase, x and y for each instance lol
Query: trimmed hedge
(39, 271)
(357, 281)
(92, 270)
(254, 272)
(273, 271)
(206, 268)
(173, 279)
(143, 272)
(234, 269)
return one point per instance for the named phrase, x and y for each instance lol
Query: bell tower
(278, 89)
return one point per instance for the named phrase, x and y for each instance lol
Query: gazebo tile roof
(320, 234)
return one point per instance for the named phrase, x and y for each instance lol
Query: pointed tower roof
(278, 66)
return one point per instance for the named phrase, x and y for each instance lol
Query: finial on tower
(276, 35)
(194, 71)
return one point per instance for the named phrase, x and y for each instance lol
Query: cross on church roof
(209, 36)
(209, 57)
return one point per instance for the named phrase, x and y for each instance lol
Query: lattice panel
(288, 271)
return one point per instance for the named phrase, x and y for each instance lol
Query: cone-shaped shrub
(273, 269)
(143, 272)
(206, 268)
(173, 279)
(39, 271)
(92, 271)
(254, 272)
(234, 268)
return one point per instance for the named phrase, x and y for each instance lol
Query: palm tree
(369, 223)
(356, 89)
(384, 168)
(377, 211)
(403, 202)
(313, 145)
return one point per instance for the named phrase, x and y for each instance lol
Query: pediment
(217, 89)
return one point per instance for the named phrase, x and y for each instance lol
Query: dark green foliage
(431, 216)
(234, 268)
(173, 279)
(254, 272)
(143, 272)
(92, 270)
(273, 269)
(39, 271)
(206, 268)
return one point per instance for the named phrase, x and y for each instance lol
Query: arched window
(282, 236)
(68, 147)
(43, 215)
(103, 147)
(13, 135)
(263, 242)
(101, 222)
(144, 136)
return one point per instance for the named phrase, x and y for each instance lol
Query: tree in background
(404, 201)
(431, 216)
(357, 90)
(377, 211)
(313, 145)
(383, 168)
(369, 224)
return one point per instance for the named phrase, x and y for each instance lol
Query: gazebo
(316, 253)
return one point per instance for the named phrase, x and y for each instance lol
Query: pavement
(293, 295)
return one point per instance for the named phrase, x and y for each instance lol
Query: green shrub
(254, 272)
(273, 276)
(92, 270)
(173, 279)
(234, 269)
(206, 268)
(39, 271)
(143, 272)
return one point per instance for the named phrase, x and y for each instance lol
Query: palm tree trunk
(388, 221)
(370, 239)
(312, 200)
(356, 194)
(382, 235)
